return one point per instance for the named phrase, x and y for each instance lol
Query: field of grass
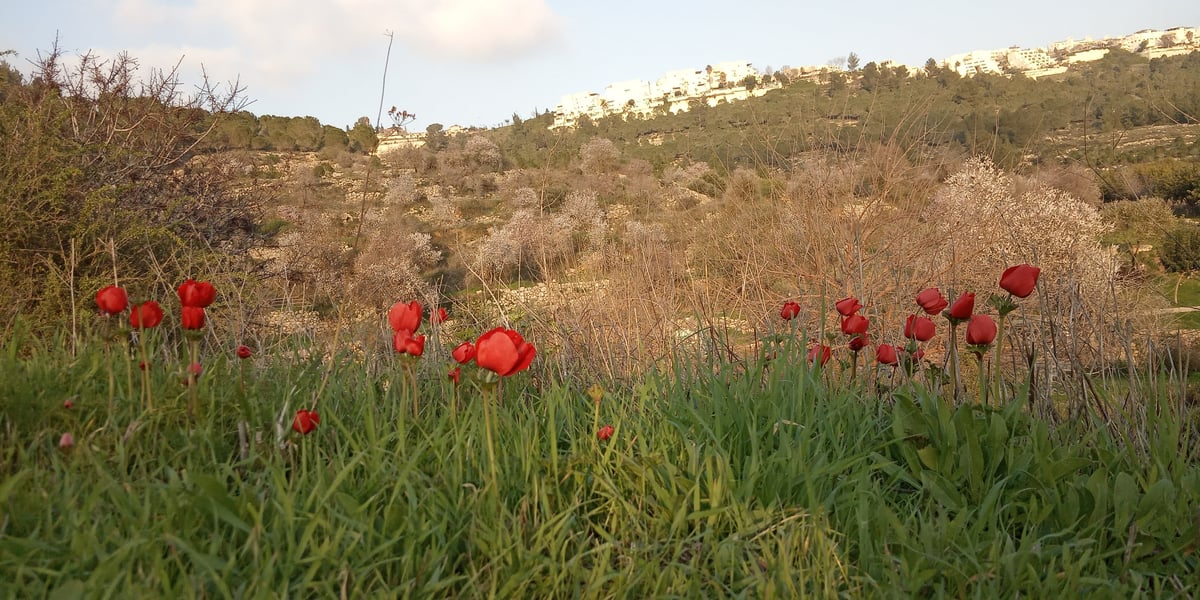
(1182, 292)
(745, 479)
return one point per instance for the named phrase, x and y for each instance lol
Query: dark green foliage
(1181, 249)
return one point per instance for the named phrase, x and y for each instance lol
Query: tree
(362, 136)
(852, 62)
(931, 67)
(435, 137)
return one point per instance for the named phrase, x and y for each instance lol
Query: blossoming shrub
(981, 218)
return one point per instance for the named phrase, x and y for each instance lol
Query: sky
(478, 62)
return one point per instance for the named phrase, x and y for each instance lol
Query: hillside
(701, 220)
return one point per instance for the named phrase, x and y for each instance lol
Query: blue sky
(476, 62)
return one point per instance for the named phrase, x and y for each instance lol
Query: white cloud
(479, 28)
(270, 32)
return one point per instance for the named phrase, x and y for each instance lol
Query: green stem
(412, 387)
(953, 350)
(491, 447)
(996, 360)
(193, 378)
(551, 401)
(112, 380)
(983, 382)
(145, 368)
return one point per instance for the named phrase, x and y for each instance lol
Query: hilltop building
(672, 92)
(679, 90)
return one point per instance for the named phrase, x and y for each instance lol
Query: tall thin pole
(362, 209)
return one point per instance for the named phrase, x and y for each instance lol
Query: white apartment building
(978, 61)
(672, 91)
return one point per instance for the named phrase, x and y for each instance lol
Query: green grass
(741, 480)
(1182, 291)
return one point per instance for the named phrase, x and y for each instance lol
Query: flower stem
(983, 381)
(491, 447)
(952, 348)
(145, 368)
(412, 387)
(996, 360)
(112, 381)
(193, 378)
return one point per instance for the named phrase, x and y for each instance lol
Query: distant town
(732, 81)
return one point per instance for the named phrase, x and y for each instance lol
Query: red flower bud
(790, 310)
(198, 294)
(981, 330)
(405, 316)
(112, 300)
(455, 374)
(605, 433)
(885, 354)
(67, 404)
(854, 325)
(439, 316)
(931, 300)
(919, 328)
(847, 306)
(195, 369)
(962, 307)
(244, 352)
(859, 342)
(464, 352)
(66, 441)
(305, 421)
(191, 317)
(146, 315)
(1019, 280)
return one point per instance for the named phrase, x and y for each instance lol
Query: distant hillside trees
(1010, 118)
(243, 130)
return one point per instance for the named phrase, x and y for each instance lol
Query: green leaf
(68, 590)
(1158, 498)
(1125, 500)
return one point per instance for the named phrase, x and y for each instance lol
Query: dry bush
(599, 156)
(443, 211)
(537, 243)
(391, 265)
(982, 222)
(402, 189)
(1075, 180)
(483, 153)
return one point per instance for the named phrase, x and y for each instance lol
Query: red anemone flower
(112, 300)
(191, 317)
(885, 354)
(503, 351)
(848, 306)
(1019, 280)
(931, 300)
(405, 316)
(146, 315)
(919, 328)
(306, 421)
(790, 310)
(962, 307)
(196, 293)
